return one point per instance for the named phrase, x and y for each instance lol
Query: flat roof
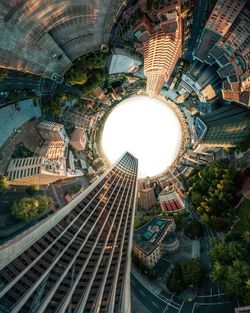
(148, 235)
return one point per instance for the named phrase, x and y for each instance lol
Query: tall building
(225, 127)
(225, 40)
(78, 259)
(46, 36)
(162, 45)
(52, 131)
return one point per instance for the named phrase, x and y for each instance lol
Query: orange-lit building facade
(163, 47)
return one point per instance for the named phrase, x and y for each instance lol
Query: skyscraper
(164, 47)
(78, 259)
(225, 127)
(225, 41)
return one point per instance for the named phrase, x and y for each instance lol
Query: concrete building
(98, 93)
(86, 245)
(35, 170)
(51, 131)
(162, 45)
(123, 61)
(147, 240)
(76, 118)
(50, 161)
(52, 150)
(78, 139)
(225, 41)
(146, 198)
(44, 37)
(172, 199)
(225, 127)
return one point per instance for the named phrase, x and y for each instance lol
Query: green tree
(32, 189)
(4, 184)
(27, 208)
(192, 272)
(43, 202)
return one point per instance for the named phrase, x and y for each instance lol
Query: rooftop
(148, 236)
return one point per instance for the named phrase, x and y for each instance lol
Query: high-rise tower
(78, 259)
(225, 127)
(163, 48)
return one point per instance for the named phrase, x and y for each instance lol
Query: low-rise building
(172, 199)
(147, 240)
(35, 170)
(78, 139)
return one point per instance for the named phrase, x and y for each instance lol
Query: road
(19, 81)
(161, 303)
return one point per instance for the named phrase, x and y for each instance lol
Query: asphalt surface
(154, 303)
(20, 81)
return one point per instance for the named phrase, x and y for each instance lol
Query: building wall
(161, 52)
(84, 246)
(44, 37)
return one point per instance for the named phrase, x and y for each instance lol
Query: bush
(28, 208)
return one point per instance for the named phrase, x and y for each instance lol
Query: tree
(27, 208)
(230, 266)
(32, 189)
(194, 229)
(4, 184)
(192, 272)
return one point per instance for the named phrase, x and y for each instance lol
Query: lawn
(243, 212)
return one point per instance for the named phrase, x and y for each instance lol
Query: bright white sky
(148, 129)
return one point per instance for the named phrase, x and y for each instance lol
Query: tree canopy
(211, 194)
(189, 273)
(27, 208)
(4, 184)
(87, 72)
(231, 268)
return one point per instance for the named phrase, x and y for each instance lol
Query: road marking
(142, 292)
(155, 304)
(217, 295)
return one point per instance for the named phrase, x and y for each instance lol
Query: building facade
(147, 240)
(225, 41)
(78, 259)
(162, 45)
(35, 170)
(51, 131)
(46, 36)
(225, 127)
(78, 139)
(146, 198)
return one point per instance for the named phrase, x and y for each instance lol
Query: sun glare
(147, 128)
